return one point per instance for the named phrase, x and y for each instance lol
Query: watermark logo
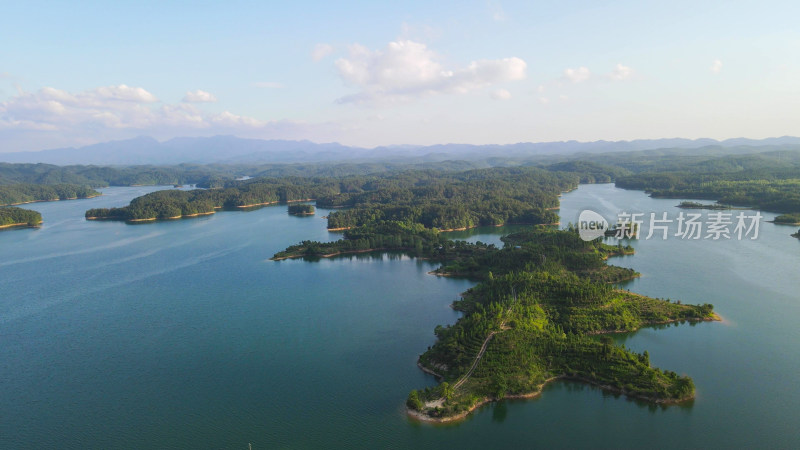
(591, 225)
(714, 226)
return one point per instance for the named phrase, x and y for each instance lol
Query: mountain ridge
(227, 149)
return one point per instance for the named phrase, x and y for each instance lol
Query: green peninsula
(301, 210)
(696, 205)
(545, 302)
(19, 193)
(543, 312)
(175, 204)
(11, 217)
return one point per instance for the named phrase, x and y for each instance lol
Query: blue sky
(369, 73)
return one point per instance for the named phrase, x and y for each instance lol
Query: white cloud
(124, 93)
(53, 117)
(544, 100)
(500, 94)
(406, 69)
(117, 107)
(716, 66)
(199, 96)
(621, 73)
(578, 75)
(268, 85)
(320, 51)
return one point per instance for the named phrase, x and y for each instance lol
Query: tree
(414, 402)
(447, 391)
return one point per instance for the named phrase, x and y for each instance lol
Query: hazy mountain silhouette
(231, 149)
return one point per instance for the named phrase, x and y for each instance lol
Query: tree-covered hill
(25, 193)
(10, 216)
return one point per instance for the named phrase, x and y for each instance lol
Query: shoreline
(714, 318)
(152, 219)
(53, 200)
(20, 225)
(448, 230)
(252, 205)
(346, 252)
(421, 416)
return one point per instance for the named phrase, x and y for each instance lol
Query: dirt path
(477, 359)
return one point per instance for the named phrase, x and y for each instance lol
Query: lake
(182, 334)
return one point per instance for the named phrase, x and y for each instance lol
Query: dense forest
(791, 219)
(453, 200)
(301, 210)
(97, 176)
(768, 181)
(169, 204)
(434, 199)
(542, 322)
(542, 305)
(12, 216)
(765, 191)
(26, 193)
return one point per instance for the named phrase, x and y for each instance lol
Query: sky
(393, 73)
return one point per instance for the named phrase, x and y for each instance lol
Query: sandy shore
(606, 387)
(426, 418)
(21, 224)
(52, 200)
(151, 219)
(346, 252)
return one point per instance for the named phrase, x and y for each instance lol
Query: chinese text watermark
(714, 225)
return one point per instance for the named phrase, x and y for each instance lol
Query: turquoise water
(182, 334)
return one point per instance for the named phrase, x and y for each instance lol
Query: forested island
(543, 303)
(174, 204)
(788, 219)
(453, 201)
(696, 205)
(16, 194)
(770, 182)
(301, 210)
(446, 201)
(539, 313)
(11, 216)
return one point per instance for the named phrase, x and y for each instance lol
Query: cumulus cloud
(321, 51)
(578, 75)
(53, 117)
(621, 73)
(716, 66)
(268, 85)
(124, 93)
(199, 96)
(118, 107)
(500, 94)
(406, 69)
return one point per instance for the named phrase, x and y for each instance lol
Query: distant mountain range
(234, 150)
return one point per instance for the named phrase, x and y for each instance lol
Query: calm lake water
(183, 334)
